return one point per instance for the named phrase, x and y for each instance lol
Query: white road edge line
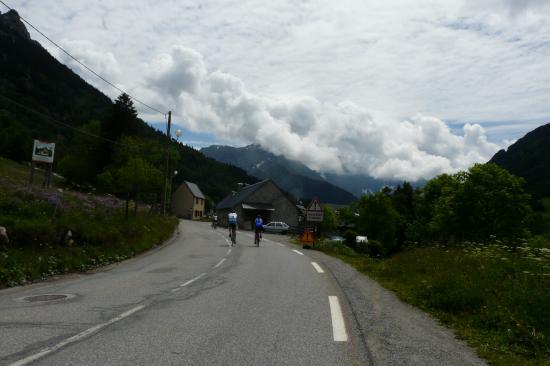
(228, 251)
(75, 338)
(338, 325)
(317, 267)
(193, 280)
(220, 263)
(297, 252)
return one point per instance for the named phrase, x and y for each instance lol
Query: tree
(330, 220)
(492, 202)
(379, 219)
(482, 202)
(122, 119)
(134, 178)
(81, 163)
(15, 138)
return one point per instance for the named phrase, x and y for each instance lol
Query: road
(196, 301)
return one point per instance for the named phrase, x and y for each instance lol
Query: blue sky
(196, 139)
(395, 89)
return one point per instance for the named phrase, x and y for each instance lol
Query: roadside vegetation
(56, 230)
(473, 249)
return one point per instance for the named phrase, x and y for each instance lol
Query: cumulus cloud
(329, 137)
(297, 75)
(102, 62)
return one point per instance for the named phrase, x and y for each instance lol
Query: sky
(400, 89)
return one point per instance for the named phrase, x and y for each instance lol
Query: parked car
(361, 239)
(276, 227)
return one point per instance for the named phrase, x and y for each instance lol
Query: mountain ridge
(36, 90)
(292, 176)
(529, 158)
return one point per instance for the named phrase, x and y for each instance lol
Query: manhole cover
(45, 298)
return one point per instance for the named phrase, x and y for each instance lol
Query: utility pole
(167, 165)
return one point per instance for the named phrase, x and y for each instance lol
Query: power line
(82, 64)
(52, 119)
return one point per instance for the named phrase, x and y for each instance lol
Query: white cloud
(312, 69)
(336, 137)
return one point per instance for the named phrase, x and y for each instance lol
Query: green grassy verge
(38, 222)
(497, 298)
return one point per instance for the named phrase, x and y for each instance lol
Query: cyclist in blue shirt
(258, 227)
(232, 223)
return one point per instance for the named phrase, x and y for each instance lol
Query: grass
(55, 231)
(496, 297)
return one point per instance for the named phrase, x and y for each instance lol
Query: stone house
(188, 201)
(264, 198)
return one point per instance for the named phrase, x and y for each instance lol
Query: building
(263, 198)
(188, 201)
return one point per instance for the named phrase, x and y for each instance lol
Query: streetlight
(171, 190)
(178, 133)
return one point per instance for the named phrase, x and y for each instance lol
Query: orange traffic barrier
(307, 237)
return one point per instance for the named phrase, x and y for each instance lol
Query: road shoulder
(394, 332)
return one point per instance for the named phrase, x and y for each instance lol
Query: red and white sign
(314, 211)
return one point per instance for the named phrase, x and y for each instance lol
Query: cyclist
(258, 227)
(214, 221)
(232, 221)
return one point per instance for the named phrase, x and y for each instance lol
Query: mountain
(292, 176)
(40, 98)
(529, 157)
(360, 184)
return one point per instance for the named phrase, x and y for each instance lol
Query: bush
(350, 235)
(373, 248)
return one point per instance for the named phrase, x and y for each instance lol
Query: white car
(361, 239)
(276, 227)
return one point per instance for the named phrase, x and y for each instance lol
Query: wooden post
(167, 165)
(31, 177)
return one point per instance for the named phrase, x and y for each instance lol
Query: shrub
(373, 248)
(350, 235)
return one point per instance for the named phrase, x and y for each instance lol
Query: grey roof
(239, 197)
(195, 190)
(258, 206)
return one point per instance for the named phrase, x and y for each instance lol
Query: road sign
(314, 211)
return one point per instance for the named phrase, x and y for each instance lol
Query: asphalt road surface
(197, 301)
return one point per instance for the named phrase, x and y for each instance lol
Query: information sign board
(43, 151)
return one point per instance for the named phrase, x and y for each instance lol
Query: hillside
(529, 157)
(292, 176)
(36, 91)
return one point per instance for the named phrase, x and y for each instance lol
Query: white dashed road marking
(228, 252)
(338, 325)
(75, 338)
(297, 252)
(193, 280)
(219, 263)
(317, 267)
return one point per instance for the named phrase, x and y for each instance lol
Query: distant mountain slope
(33, 78)
(529, 158)
(360, 184)
(292, 176)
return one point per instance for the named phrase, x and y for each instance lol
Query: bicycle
(233, 235)
(257, 237)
